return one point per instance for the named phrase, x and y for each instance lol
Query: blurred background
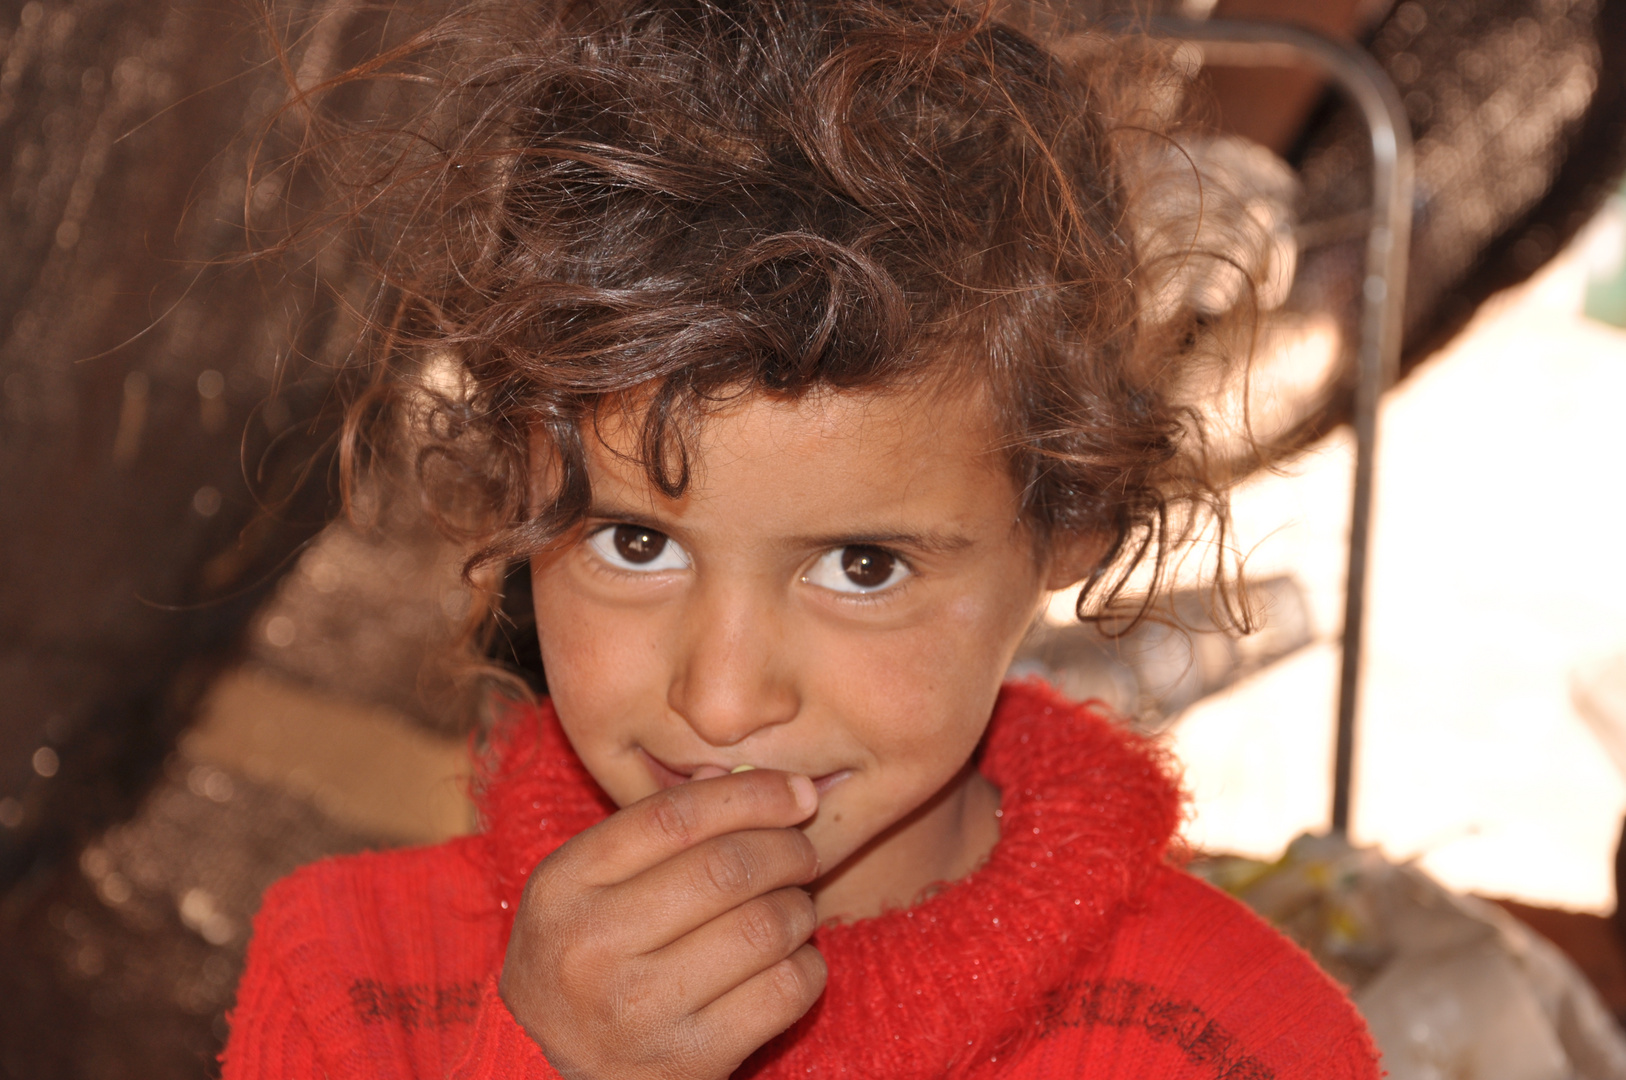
(208, 676)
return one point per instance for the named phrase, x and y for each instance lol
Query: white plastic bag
(1452, 987)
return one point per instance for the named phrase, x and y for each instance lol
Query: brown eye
(867, 567)
(639, 545)
(857, 568)
(637, 549)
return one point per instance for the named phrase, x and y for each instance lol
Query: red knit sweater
(1076, 951)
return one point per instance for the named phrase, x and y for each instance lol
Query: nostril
(725, 706)
(732, 676)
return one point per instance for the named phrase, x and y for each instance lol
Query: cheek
(966, 642)
(574, 642)
(916, 703)
(603, 666)
(923, 695)
(586, 640)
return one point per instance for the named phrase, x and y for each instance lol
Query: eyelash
(602, 540)
(598, 536)
(885, 590)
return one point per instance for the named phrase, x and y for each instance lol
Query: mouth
(671, 775)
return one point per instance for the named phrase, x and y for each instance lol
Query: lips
(672, 775)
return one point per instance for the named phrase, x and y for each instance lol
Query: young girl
(802, 348)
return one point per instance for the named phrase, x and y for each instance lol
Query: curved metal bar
(1267, 44)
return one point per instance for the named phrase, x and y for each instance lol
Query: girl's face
(838, 594)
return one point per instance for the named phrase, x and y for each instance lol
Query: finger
(736, 946)
(696, 886)
(740, 1021)
(654, 829)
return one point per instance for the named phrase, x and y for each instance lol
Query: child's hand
(670, 940)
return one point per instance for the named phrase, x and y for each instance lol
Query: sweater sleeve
(377, 967)
(500, 1049)
(269, 1038)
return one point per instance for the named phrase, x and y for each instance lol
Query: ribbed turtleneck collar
(953, 984)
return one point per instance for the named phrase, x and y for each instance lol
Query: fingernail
(807, 796)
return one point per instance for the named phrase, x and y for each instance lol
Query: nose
(734, 677)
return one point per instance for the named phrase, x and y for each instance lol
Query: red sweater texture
(1075, 951)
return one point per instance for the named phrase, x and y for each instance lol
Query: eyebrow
(931, 542)
(628, 517)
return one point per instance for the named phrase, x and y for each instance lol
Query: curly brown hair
(679, 202)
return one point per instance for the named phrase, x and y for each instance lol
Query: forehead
(844, 455)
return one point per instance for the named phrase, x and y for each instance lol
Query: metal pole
(1267, 44)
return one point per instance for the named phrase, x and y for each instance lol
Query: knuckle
(729, 866)
(675, 817)
(586, 951)
(572, 954)
(794, 985)
(764, 927)
(534, 897)
(554, 885)
(600, 936)
(538, 918)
